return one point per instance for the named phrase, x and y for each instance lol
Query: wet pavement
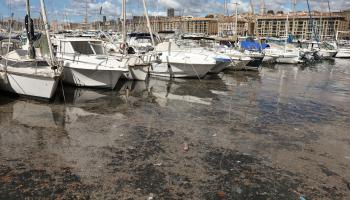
(281, 133)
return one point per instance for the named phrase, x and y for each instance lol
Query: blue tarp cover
(253, 46)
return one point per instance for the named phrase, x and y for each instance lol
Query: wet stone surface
(281, 133)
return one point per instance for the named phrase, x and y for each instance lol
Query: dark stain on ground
(327, 171)
(243, 177)
(143, 143)
(38, 183)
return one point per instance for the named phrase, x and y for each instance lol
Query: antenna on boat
(124, 26)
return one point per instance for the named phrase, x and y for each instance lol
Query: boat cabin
(84, 46)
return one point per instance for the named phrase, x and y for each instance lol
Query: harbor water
(280, 133)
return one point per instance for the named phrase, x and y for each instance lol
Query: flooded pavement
(281, 133)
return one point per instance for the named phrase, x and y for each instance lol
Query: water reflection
(35, 115)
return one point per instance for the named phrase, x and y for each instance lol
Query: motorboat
(28, 76)
(87, 64)
(177, 63)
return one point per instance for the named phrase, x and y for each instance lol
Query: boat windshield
(97, 47)
(82, 47)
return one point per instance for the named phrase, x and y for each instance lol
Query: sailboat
(23, 72)
(138, 63)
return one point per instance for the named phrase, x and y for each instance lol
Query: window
(82, 47)
(97, 46)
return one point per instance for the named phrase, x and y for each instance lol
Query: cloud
(15, 3)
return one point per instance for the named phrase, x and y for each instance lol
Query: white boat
(25, 76)
(86, 64)
(23, 72)
(343, 53)
(287, 54)
(328, 53)
(137, 56)
(239, 61)
(222, 61)
(324, 50)
(177, 63)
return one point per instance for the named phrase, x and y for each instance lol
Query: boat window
(82, 47)
(97, 46)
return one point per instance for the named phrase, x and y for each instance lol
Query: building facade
(324, 25)
(226, 25)
(186, 25)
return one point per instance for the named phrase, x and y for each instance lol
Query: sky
(74, 10)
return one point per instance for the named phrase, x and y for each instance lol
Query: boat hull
(91, 78)
(343, 53)
(255, 63)
(328, 54)
(220, 66)
(238, 64)
(288, 60)
(139, 73)
(29, 85)
(180, 70)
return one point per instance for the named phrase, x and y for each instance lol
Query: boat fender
(122, 46)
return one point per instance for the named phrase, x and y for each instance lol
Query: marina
(245, 106)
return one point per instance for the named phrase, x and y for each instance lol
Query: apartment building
(226, 25)
(188, 24)
(325, 25)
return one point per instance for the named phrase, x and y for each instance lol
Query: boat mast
(148, 22)
(294, 13)
(124, 26)
(43, 12)
(116, 16)
(30, 46)
(86, 15)
(329, 28)
(236, 16)
(312, 22)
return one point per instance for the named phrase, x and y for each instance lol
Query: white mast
(148, 22)
(236, 18)
(124, 26)
(262, 7)
(251, 7)
(294, 13)
(43, 12)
